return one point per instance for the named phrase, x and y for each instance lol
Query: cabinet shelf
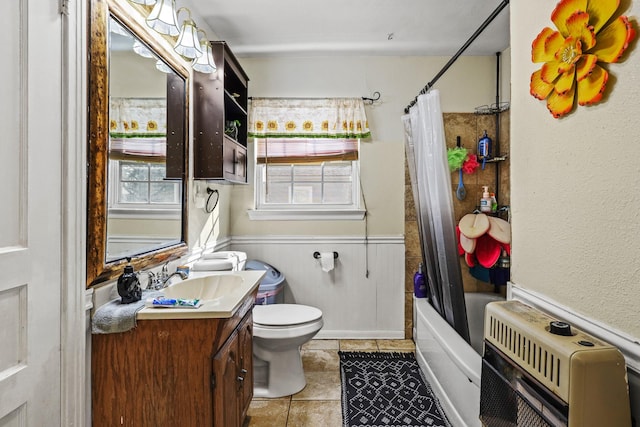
(220, 98)
(232, 104)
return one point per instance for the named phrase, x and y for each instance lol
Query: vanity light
(188, 44)
(163, 18)
(161, 66)
(142, 50)
(205, 63)
(144, 2)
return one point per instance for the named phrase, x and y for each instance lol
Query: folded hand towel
(213, 265)
(219, 255)
(115, 317)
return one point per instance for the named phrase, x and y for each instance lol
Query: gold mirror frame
(98, 270)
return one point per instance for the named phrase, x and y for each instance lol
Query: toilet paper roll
(327, 261)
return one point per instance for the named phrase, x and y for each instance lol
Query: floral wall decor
(572, 56)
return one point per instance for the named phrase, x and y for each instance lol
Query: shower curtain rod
(375, 97)
(464, 47)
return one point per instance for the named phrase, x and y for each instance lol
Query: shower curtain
(431, 183)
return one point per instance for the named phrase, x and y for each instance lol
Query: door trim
(75, 389)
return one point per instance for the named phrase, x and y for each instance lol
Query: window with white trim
(324, 185)
(307, 156)
(137, 187)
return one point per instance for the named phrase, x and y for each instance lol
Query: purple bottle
(419, 283)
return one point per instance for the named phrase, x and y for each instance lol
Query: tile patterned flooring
(319, 403)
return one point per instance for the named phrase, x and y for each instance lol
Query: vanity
(179, 367)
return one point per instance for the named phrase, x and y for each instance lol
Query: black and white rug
(386, 389)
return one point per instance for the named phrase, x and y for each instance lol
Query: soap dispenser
(129, 285)
(485, 201)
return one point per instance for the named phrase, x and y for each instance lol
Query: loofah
(456, 157)
(470, 164)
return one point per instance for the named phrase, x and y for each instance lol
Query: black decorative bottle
(129, 286)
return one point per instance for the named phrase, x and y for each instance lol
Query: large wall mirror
(138, 124)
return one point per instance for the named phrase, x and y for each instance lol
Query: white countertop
(220, 292)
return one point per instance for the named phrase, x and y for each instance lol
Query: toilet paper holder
(316, 255)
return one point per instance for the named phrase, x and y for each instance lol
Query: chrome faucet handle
(152, 281)
(164, 273)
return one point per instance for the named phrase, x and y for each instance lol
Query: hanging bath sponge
(456, 157)
(470, 164)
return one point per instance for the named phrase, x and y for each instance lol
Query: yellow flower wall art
(572, 56)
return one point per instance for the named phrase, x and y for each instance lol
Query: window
(307, 157)
(140, 187)
(326, 185)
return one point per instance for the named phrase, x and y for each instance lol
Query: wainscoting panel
(363, 297)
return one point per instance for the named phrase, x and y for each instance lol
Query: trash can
(271, 284)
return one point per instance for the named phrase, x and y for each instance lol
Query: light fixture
(116, 28)
(144, 2)
(163, 18)
(161, 66)
(188, 44)
(142, 50)
(205, 63)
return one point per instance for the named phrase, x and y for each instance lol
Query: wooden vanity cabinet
(179, 372)
(219, 98)
(232, 375)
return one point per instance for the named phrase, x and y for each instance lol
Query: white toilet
(279, 330)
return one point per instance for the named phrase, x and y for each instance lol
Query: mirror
(137, 205)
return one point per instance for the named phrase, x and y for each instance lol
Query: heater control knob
(560, 328)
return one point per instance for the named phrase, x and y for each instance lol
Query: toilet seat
(284, 315)
(282, 321)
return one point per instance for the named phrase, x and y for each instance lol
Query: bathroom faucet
(153, 281)
(164, 283)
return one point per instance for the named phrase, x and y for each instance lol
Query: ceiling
(354, 27)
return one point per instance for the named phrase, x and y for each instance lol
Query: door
(30, 213)
(245, 351)
(226, 387)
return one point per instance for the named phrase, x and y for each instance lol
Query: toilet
(279, 330)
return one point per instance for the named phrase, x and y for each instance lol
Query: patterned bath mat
(386, 389)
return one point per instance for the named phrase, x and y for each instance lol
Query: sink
(207, 288)
(220, 294)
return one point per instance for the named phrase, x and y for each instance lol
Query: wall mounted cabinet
(220, 105)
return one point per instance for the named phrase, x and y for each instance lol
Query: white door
(30, 212)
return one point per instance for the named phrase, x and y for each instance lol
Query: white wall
(469, 83)
(574, 186)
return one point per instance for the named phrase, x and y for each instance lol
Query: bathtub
(449, 363)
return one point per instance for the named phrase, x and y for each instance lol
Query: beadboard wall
(353, 305)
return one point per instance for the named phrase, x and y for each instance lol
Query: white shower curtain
(431, 182)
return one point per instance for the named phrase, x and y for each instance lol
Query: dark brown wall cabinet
(220, 101)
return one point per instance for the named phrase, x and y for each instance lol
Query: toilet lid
(284, 314)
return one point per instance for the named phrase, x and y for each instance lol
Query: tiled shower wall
(470, 127)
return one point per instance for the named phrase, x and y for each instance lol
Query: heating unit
(538, 371)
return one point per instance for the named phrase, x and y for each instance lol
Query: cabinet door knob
(243, 371)
(240, 379)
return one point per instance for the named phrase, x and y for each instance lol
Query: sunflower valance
(138, 129)
(308, 118)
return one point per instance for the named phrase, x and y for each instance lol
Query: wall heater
(538, 371)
